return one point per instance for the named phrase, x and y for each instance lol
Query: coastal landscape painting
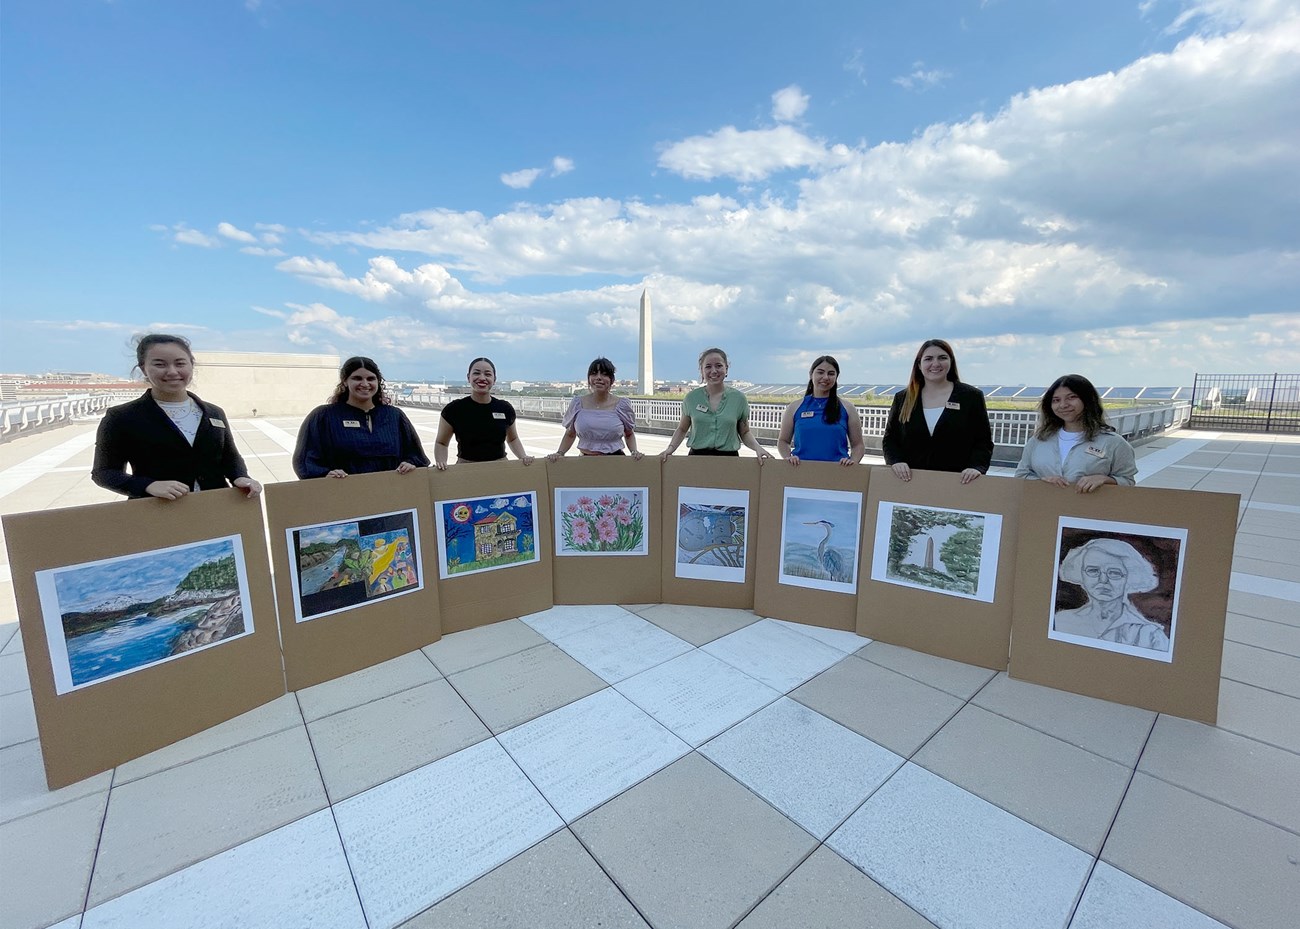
(486, 533)
(344, 565)
(108, 618)
(950, 552)
(711, 526)
(601, 520)
(819, 539)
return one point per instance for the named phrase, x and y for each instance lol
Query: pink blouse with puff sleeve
(600, 430)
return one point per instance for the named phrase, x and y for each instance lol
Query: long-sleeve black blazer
(962, 439)
(141, 435)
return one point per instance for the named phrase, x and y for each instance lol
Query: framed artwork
(946, 551)
(479, 534)
(601, 520)
(710, 536)
(819, 539)
(343, 565)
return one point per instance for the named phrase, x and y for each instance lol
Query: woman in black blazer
(938, 423)
(172, 441)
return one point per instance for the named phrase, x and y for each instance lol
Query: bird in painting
(828, 558)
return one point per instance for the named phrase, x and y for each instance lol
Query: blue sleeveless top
(815, 439)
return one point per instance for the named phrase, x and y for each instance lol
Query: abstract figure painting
(711, 525)
(1116, 586)
(952, 552)
(601, 520)
(819, 539)
(486, 533)
(104, 619)
(343, 565)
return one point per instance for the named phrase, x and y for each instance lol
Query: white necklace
(178, 410)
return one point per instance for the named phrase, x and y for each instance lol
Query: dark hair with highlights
(145, 342)
(917, 380)
(832, 412)
(1094, 416)
(352, 365)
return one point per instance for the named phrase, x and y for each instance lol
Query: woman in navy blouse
(358, 431)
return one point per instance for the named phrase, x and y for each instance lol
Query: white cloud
(922, 78)
(743, 154)
(522, 179)
(186, 236)
(561, 165)
(259, 250)
(789, 103)
(234, 233)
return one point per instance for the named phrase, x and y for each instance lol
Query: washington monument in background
(647, 386)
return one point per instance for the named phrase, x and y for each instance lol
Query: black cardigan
(962, 439)
(141, 435)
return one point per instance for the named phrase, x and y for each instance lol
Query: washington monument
(647, 386)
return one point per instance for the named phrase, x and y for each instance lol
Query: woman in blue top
(819, 427)
(358, 431)
(715, 415)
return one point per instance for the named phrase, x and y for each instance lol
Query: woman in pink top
(599, 421)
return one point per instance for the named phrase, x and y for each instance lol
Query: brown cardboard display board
(614, 578)
(830, 609)
(485, 597)
(969, 630)
(96, 726)
(336, 643)
(1187, 685)
(704, 471)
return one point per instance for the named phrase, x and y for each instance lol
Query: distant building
(272, 383)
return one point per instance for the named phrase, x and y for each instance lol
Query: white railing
(30, 415)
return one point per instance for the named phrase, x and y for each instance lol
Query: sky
(1111, 188)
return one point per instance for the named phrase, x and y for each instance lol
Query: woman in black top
(358, 431)
(938, 423)
(482, 424)
(172, 441)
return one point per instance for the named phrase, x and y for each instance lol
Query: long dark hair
(145, 342)
(356, 363)
(832, 412)
(1093, 419)
(917, 380)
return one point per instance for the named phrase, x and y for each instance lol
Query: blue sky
(1113, 191)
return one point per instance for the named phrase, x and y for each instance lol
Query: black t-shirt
(480, 428)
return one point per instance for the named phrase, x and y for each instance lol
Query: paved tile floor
(670, 766)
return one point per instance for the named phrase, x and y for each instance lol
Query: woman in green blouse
(715, 415)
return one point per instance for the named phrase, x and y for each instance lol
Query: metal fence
(1246, 402)
(1011, 428)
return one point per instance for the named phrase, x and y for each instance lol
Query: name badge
(217, 423)
(702, 408)
(498, 415)
(1095, 452)
(807, 414)
(950, 405)
(352, 423)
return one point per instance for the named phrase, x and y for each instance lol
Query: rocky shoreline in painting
(212, 583)
(224, 619)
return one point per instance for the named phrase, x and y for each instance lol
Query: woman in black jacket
(938, 423)
(172, 441)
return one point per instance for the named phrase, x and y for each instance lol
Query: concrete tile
(1261, 607)
(1263, 633)
(377, 741)
(295, 876)
(7, 632)
(1238, 772)
(691, 848)
(582, 754)
(774, 654)
(1260, 714)
(1236, 868)
(698, 625)
(811, 769)
(520, 687)
(1258, 667)
(381, 680)
(973, 752)
(72, 922)
(470, 648)
(420, 837)
(1279, 571)
(617, 650)
(170, 820)
(13, 673)
(277, 716)
(1113, 898)
(826, 892)
(959, 860)
(45, 862)
(22, 774)
(563, 620)
(1111, 730)
(696, 696)
(888, 708)
(838, 639)
(553, 885)
(954, 677)
(17, 718)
